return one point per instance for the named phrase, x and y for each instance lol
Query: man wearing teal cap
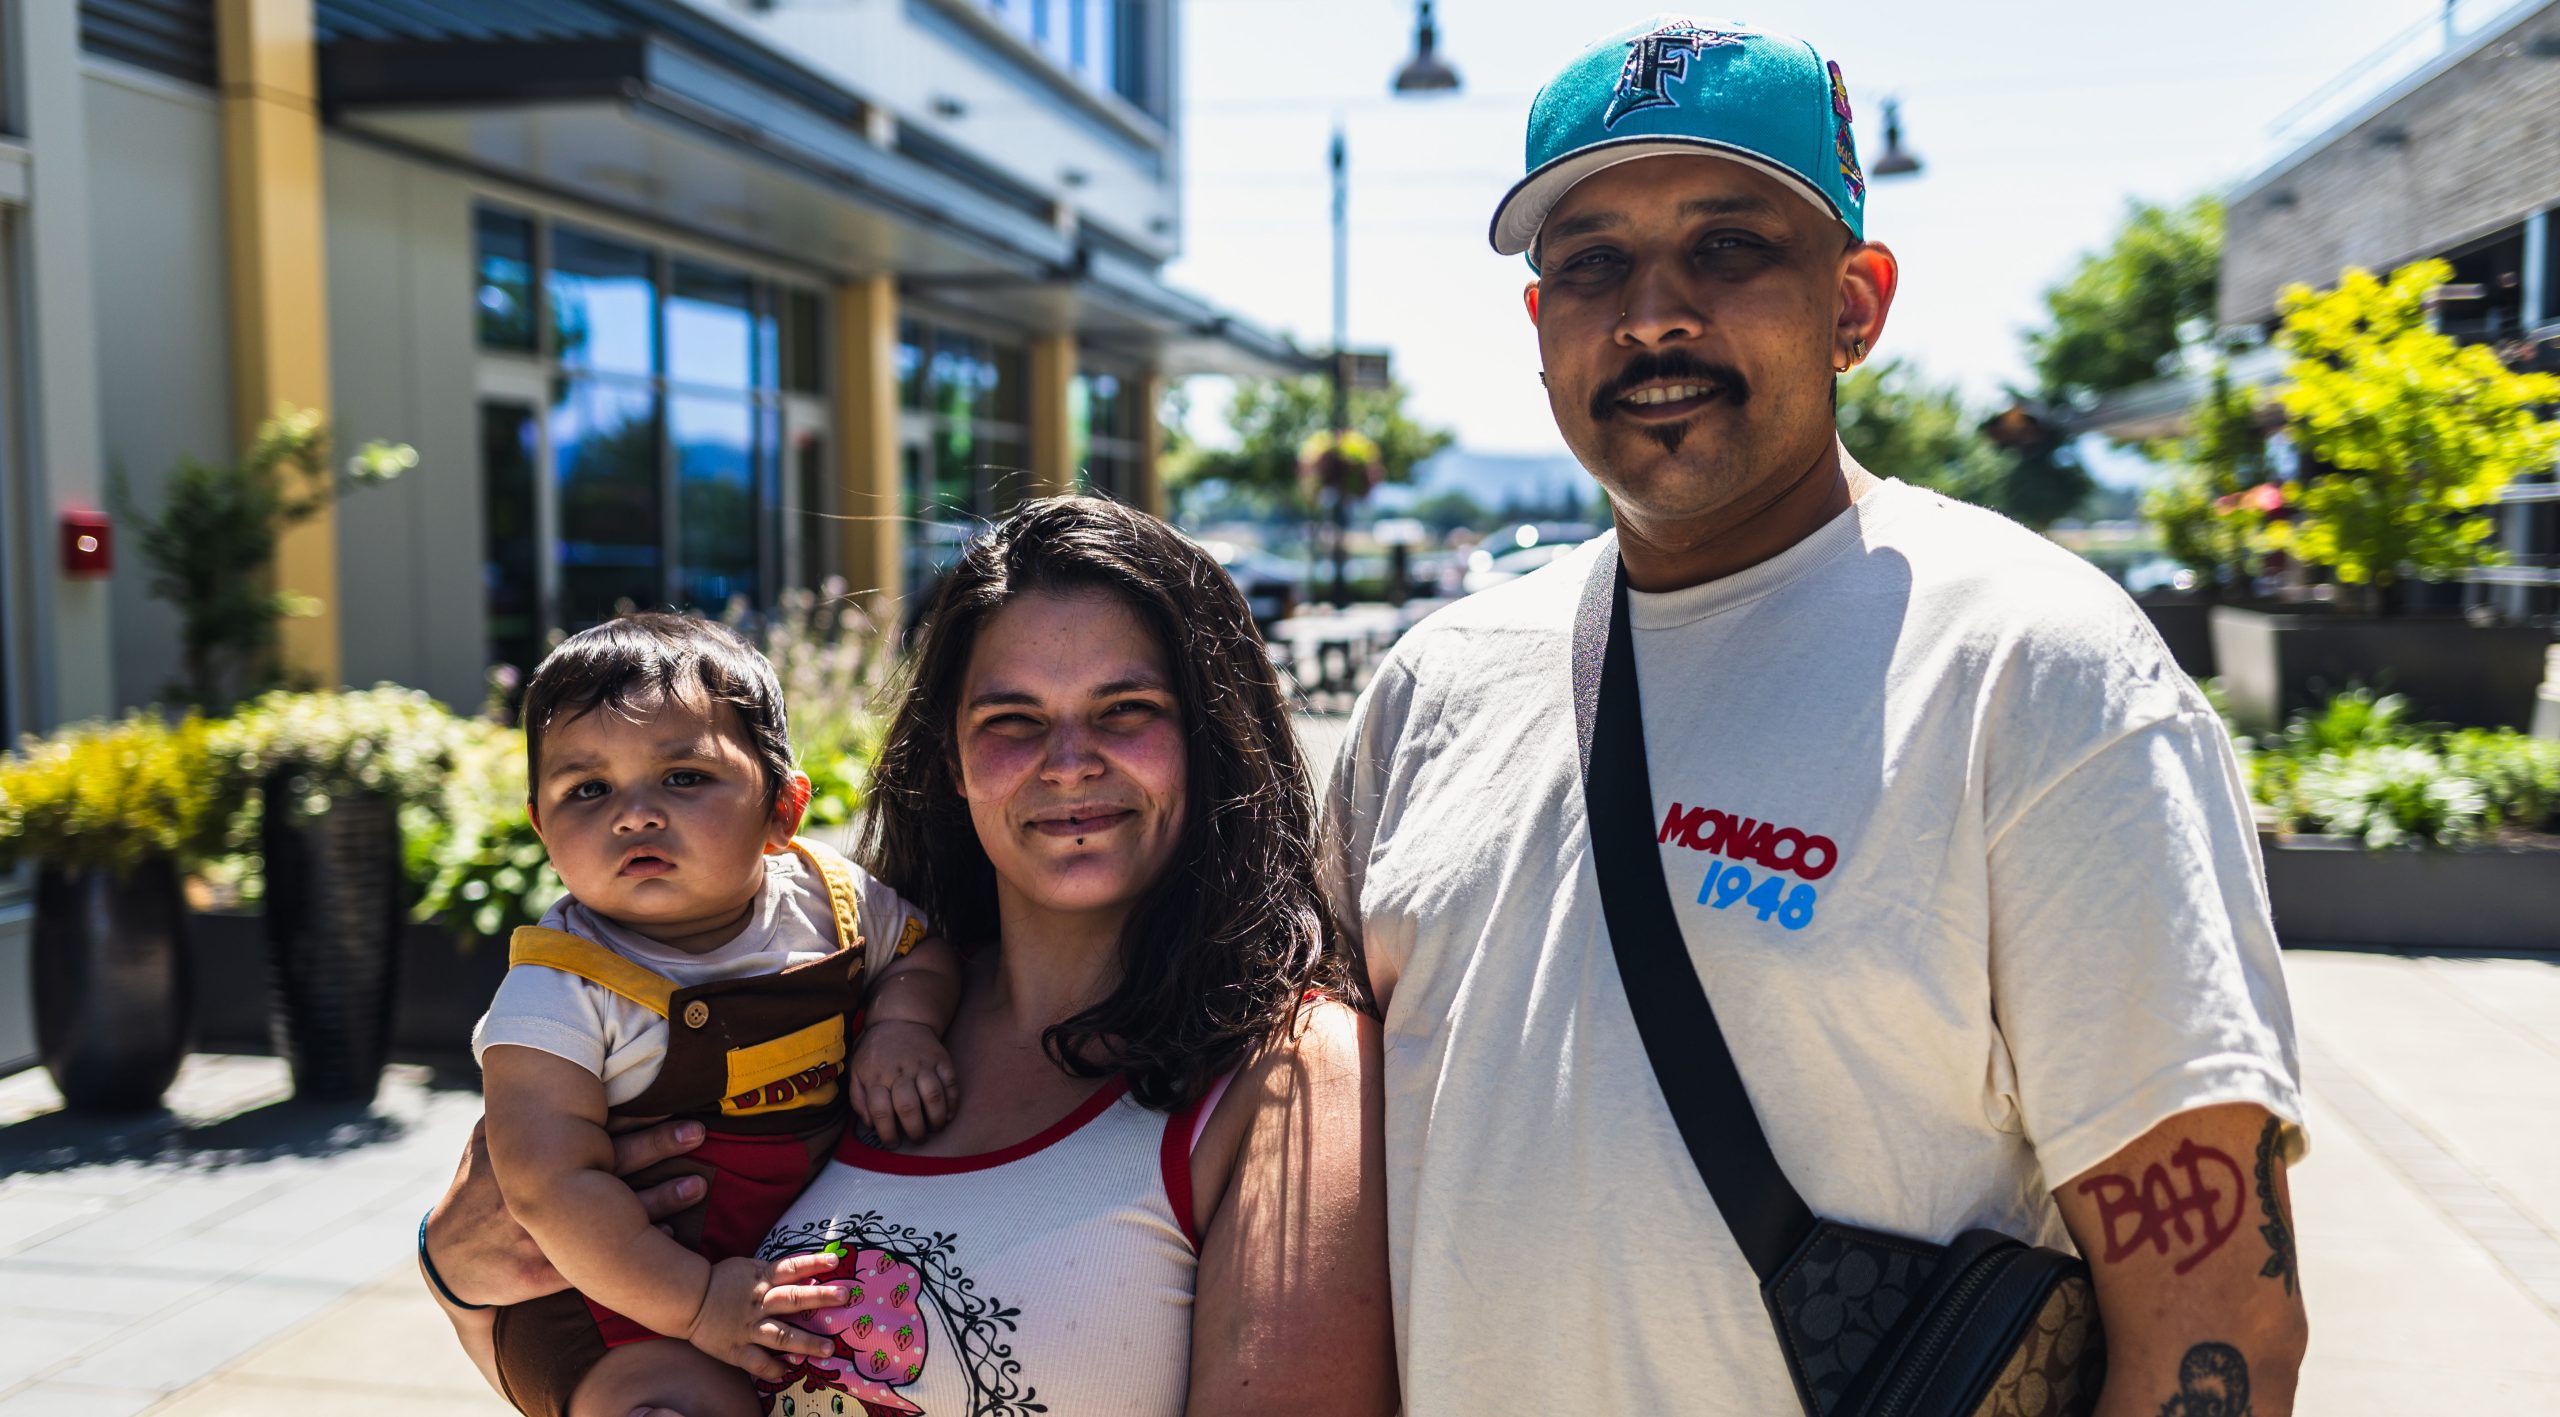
(1963, 862)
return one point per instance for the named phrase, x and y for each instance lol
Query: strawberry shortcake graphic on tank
(901, 1285)
(880, 1342)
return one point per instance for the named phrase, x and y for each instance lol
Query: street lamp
(1425, 72)
(1896, 161)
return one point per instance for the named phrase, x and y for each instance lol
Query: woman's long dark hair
(1219, 953)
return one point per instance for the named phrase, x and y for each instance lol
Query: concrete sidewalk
(235, 1261)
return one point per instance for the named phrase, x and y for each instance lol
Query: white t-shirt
(1982, 904)
(622, 1042)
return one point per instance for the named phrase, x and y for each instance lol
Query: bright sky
(2036, 121)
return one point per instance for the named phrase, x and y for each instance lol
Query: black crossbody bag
(1872, 1324)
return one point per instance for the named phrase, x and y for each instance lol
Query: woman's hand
(744, 1317)
(487, 1258)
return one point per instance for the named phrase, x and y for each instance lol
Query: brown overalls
(757, 1061)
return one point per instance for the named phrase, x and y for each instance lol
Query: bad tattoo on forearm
(2213, 1381)
(2186, 1208)
(2279, 1235)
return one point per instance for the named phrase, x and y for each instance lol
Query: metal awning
(642, 107)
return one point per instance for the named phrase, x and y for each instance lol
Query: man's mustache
(1671, 364)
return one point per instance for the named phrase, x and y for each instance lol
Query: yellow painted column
(1053, 437)
(872, 534)
(279, 276)
(1148, 495)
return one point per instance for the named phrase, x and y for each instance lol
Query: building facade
(2457, 158)
(680, 302)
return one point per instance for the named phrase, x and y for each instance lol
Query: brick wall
(2479, 150)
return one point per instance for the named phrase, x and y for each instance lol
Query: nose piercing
(1542, 378)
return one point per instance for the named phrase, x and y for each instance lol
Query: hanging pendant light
(1425, 72)
(1895, 161)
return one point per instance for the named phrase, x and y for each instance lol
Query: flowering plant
(109, 794)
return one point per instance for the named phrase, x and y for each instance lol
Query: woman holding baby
(1162, 1192)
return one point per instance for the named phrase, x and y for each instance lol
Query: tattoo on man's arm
(2213, 1381)
(2279, 1235)
(2188, 1207)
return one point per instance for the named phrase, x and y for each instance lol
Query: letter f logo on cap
(1656, 60)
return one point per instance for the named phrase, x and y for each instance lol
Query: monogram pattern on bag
(2060, 1363)
(1839, 1301)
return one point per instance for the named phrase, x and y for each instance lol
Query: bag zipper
(1924, 1355)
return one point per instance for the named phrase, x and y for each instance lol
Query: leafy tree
(2195, 510)
(2414, 432)
(1273, 419)
(2124, 310)
(1448, 509)
(1899, 424)
(212, 547)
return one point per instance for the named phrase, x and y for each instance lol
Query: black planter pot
(2185, 626)
(114, 1011)
(2274, 665)
(335, 912)
(2331, 891)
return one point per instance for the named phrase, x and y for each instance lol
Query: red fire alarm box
(87, 549)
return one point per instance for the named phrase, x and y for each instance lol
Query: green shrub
(110, 794)
(835, 666)
(386, 739)
(484, 870)
(2392, 796)
(2363, 766)
(2517, 773)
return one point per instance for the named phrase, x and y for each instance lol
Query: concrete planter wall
(2186, 626)
(2329, 890)
(2274, 665)
(441, 988)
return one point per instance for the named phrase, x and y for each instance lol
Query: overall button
(696, 1014)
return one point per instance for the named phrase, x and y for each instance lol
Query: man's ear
(1869, 275)
(1529, 297)
(789, 806)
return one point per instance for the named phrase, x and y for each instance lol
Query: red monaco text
(1742, 839)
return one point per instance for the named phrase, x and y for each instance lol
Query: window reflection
(510, 569)
(605, 439)
(717, 499)
(505, 299)
(710, 334)
(603, 304)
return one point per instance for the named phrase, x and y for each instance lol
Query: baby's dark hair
(622, 664)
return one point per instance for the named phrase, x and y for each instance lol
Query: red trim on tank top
(1173, 1156)
(854, 1153)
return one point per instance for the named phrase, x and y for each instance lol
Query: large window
(1103, 42)
(634, 407)
(967, 438)
(1105, 410)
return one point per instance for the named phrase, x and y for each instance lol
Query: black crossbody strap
(1707, 1100)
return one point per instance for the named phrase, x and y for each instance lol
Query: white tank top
(1054, 1275)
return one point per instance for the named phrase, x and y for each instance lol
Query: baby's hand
(741, 1321)
(904, 1087)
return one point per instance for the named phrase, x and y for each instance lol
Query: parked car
(1270, 584)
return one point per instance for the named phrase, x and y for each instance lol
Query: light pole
(1424, 73)
(1336, 465)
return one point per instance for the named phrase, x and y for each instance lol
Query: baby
(705, 964)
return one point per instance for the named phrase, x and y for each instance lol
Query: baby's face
(657, 820)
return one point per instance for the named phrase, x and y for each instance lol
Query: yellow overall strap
(837, 873)
(560, 950)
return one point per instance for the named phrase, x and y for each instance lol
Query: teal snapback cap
(1674, 85)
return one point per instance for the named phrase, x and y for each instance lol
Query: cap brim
(1524, 209)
